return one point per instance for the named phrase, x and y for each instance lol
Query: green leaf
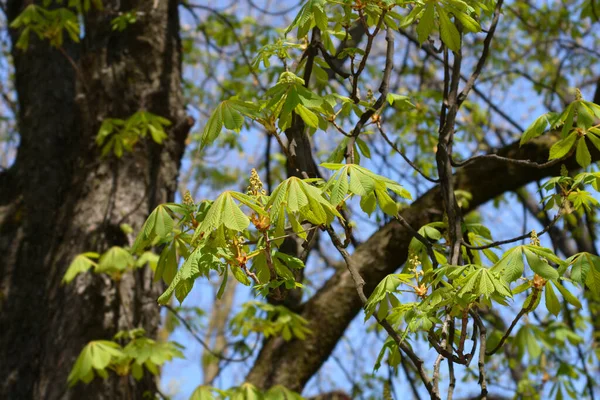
(562, 147)
(223, 285)
(592, 280)
(312, 13)
(389, 284)
(386, 203)
(552, 303)
(224, 212)
(213, 128)
(307, 116)
(582, 198)
(511, 265)
(164, 223)
(340, 188)
(363, 147)
(568, 125)
(81, 263)
(539, 266)
(568, 296)
(366, 184)
(448, 32)
(582, 155)
(96, 355)
(166, 267)
(537, 127)
(426, 23)
(402, 102)
(581, 264)
(240, 276)
(233, 217)
(199, 262)
(203, 393)
(295, 195)
(116, 259)
(232, 119)
(486, 284)
(593, 138)
(468, 23)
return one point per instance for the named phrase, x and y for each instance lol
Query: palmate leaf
(95, 357)
(81, 263)
(388, 285)
(302, 201)
(279, 392)
(229, 113)
(538, 127)
(484, 282)
(199, 263)
(278, 320)
(116, 259)
(563, 146)
(225, 212)
(146, 352)
(203, 392)
(352, 179)
(158, 226)
(290, 96)
(585, 270)
(449, 33)
(511, 265)
(582, 198)
(310, 15)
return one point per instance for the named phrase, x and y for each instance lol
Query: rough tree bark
(334, 306)
(61, 198)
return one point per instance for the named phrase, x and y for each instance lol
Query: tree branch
(336, 304)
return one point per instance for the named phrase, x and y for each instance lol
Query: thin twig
(420, 238)
(290, 234)
(478, 92)
(363, 61)
(201, 341)
(413, 165)
(524, 163)
(452, 382)
(515, 239)
(524, 310)
(222, 17)
(481, 363)
(359, 283)
(331, 61)
(484, 54)
(380, 102)
(441, 349)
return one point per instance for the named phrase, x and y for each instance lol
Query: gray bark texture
(61, 198)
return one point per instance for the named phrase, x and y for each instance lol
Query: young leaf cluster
(117, 135)
(102, 356)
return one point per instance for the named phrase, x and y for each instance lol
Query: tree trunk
(61, 198)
